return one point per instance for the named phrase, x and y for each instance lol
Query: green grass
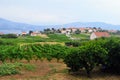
(20, 40)
(115, 35)
(33, 39)
(58, 37)
(14, 68)
(81, 36)
(8, 69)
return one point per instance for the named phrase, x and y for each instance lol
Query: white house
(83, 30)
(95, 35)
(90, 30)
(24, 33)
(1, 33)
(63, 31)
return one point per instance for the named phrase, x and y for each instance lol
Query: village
(91, 32)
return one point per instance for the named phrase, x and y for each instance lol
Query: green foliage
(104, 51)
(8, 69)
(3, 53)
(5, 42)
(77, 31)
(87, 56)
(28, 67)
(73, 60)
(32, 51)
(92, 55)
(73, 43)
(58, 37)
(9, 36)
(14, 68)
(33, 39)
(113, 60)
(82, 36)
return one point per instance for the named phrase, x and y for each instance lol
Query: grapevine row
(32, 51)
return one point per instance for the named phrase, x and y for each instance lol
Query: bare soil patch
(54, 70)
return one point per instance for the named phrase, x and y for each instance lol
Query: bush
(9, 36)
(74, 44)
(73, 60)
(87, 56)
(14, 68)
(113, 58)
(8, 69)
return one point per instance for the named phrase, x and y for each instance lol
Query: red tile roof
(102, 34)
(72, 28)
(1, 33)
(24, 33)
(82, 28)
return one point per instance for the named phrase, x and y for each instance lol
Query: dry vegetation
(56, 71)
(42, 43)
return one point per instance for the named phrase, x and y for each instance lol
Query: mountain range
(7, 26)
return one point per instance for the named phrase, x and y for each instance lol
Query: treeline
(9, 36)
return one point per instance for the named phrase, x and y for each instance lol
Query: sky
(47, 12)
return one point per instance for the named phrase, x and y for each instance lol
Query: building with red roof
(95, 35)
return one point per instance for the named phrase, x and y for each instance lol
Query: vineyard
(102, 53)
(32, 51)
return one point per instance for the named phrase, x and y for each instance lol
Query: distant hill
(93, 24)
(10, 26)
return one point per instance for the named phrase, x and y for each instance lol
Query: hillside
(10, 26)
(94, 24)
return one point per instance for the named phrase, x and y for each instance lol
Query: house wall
(73, 30)
(90, 30)
(33, 34)
(93, 36)
(63, 31)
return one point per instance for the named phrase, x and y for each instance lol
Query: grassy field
(54, 70)
(58, 37)
(34, 39)
(81, 36)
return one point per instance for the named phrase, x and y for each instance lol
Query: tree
(48, 31)
(73, 60)
(30, 32)
(64, 28)
(53, 29)
(77, 31)
(94, 28)
(87, 56)
(92, 55)
(113, 58)
(86, 31)
(59, 31)
(9, 36)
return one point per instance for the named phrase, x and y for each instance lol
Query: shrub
(73, 60)
(8, 69)
(113, 58)
(87, 56)
(14, 68)
(73, 43)
(9, 36)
